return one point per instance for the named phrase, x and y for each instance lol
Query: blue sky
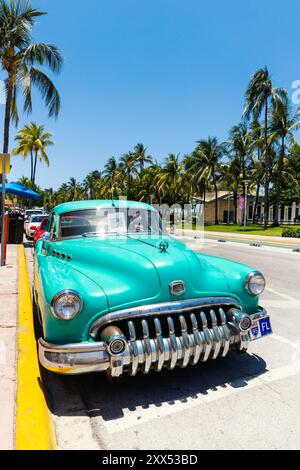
(165, 73)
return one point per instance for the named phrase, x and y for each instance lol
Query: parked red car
(40, 230)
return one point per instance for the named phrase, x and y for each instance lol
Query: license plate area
(261, 328)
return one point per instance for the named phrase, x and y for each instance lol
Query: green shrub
(291, 232)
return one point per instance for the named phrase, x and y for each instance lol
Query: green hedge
(291, 232)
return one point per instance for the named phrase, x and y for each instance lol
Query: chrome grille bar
(159, 345)
(133, 349)
(170, 341)
(162, 309)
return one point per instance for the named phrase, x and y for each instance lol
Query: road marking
(153, 412)
(281, 304)
(284, 296)
(34, 428)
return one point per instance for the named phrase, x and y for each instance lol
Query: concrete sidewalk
(8, 331)
(276, 241)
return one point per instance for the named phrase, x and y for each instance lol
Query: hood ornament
(163, 246)
(177, 288)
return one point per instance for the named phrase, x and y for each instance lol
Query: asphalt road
(247, 401)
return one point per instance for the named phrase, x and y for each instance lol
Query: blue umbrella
(19, 190)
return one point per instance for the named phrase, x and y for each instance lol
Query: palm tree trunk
(256, 201)
(278, 185)
(266, 208)
(216, 204)
(31, 166)
(7, 114)
(34, 169)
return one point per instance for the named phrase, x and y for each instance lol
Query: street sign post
(4, 157)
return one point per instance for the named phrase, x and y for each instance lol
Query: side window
(52, 227)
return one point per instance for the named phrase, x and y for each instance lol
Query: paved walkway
(277, 241)
(8, 327)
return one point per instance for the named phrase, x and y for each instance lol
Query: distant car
(33, 224)
(114, 292)
(40, 230)
(31, 212)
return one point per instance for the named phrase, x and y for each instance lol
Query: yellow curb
(34, 427)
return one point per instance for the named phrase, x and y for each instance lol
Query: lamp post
(246, 183)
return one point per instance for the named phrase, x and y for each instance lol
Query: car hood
(134, 271)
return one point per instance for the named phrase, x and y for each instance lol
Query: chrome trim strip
(160, 309)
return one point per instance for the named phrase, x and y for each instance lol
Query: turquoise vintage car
(114, 292)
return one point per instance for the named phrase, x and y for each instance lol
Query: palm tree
(19, 57)
(196, 167)
(282, 125)
(127, 167)
(232, 177)
(91, 183)
(170, 178)
(33, 140)
(140, 156)
(212, 152)
(75, 190)
(148, 189)
(260, 95)
(240, 140)
(111, 177)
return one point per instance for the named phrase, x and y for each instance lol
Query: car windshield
(29, 213)
(110, 221)
(37, 219)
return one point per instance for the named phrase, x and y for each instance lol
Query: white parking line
(284, 296)
(134, 418)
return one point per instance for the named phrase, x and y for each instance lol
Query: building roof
(210, 197)
(81, 205)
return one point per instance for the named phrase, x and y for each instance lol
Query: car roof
(81, 205)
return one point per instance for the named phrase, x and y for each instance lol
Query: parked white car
(30, 212)
(32, 224)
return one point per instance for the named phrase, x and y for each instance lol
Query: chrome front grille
(167, 336)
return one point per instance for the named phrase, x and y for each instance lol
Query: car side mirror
(46, 236)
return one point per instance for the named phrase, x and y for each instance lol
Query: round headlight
(66, 305)
(255, 283)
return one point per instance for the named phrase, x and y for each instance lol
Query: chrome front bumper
(145, 354)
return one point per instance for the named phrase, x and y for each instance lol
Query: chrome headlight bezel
(250, 278)
(58, 296)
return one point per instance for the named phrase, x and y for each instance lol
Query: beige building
(287, 214)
